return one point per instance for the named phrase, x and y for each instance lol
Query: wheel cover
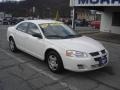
(52, 62)
(12, 45)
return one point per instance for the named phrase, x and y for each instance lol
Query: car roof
(41, 21)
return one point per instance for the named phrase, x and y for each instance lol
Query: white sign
(94, 2)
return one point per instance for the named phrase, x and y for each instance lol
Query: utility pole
(33, 11)
(73, 17)
(72, 2)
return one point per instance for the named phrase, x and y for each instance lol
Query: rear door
(20, 35)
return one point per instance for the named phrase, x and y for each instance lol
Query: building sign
(94, 2)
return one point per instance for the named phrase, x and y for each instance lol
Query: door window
(33, 29)
(22, 27)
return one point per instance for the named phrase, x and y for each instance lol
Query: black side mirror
(37, 35)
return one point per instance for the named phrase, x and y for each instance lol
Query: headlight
(73, 53)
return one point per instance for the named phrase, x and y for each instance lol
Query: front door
(35, 45)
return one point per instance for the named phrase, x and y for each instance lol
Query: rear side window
(22, 27)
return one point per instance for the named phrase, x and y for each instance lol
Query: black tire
(59, 64)
(12, 45)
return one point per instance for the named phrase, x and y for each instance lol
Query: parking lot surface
(20, 71)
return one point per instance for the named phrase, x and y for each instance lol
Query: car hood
(83, 44)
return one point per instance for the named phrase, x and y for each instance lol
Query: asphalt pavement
(20, 71)
(105, 36)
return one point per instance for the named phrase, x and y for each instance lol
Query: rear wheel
(12, 45)
(54, 62)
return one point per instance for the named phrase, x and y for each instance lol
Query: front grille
(103, 52)
(100, 58)
(97, 59)
(94, 54)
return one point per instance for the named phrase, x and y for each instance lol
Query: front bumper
(85, 64)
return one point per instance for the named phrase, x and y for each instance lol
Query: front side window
(57, 31)
(22, 27)
(33, 29)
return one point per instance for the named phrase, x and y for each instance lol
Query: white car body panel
(79, 44)
(83, 43)
(37, 47)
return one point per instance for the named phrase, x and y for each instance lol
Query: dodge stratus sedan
(58, 45)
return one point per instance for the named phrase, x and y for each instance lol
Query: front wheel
(54, 62)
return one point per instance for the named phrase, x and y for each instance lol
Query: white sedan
(58, 45)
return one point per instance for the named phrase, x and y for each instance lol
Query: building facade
(110, 19)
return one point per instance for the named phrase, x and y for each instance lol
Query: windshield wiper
(72, 36)
(54, 36)
(62, 37)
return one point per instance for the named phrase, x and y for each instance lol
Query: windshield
(57, 31)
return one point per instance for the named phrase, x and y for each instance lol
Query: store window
(116, 19)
